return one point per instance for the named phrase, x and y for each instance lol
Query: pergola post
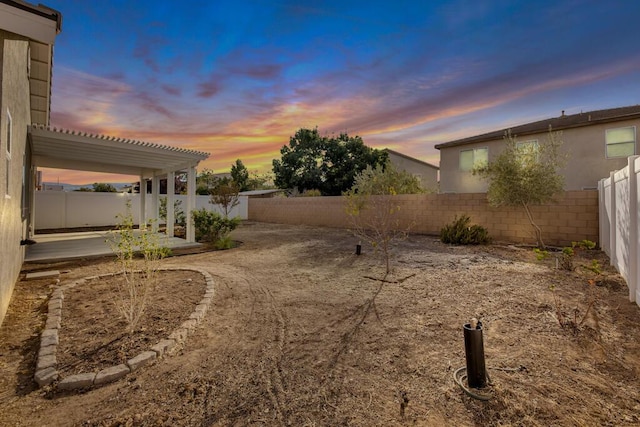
(155, 196)
(171, 195)
(142, 223)
(191, 203)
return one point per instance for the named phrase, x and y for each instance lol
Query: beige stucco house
(425, 172)
(27, 35)
(595, 143)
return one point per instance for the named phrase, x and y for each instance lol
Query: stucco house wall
(584, 147)
(14, 103)
(452, 179)
(425, 172)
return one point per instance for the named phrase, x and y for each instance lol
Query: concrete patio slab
(65, 246)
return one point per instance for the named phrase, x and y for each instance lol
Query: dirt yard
(303, 332)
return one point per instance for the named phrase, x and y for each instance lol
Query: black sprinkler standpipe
(474, 353)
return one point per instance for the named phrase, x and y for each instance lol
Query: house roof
(413, 159)
(65, 149)
(556, 123)
(40, 24)
(260, 192)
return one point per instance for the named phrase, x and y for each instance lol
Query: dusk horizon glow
(237, 79)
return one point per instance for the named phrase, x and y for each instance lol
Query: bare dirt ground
(301, 332)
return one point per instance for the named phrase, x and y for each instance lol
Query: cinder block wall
(574, 217)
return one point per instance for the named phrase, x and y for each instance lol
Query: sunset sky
(237, 78)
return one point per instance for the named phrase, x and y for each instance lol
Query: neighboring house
(262, 194)
(27, 34)
(595, 143)
(425, 172)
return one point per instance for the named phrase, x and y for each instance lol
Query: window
(621, 142)
(470, 159)
(528, 150)
(8, 157)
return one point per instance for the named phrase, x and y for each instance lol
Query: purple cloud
(172, 89)
(209, 88)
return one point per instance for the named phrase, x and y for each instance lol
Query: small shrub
(133, 295)
(541, 254)
(594, 267)
(584, 244)
(224, 243)
(211, 226)
(566, 259)
(566, 320)
(459, 232)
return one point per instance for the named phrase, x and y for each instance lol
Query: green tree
(315, 162)
(240, 175)
(261, 181)
(205, 181)
(101, 187)
(345, 157)
(525, 174)
(373, 206)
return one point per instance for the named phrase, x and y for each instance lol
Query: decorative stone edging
(46, 372)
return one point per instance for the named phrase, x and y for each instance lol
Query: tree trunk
(536, 229)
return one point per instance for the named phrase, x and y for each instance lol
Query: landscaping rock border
(46, 372)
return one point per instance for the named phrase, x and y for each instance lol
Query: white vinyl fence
(619, 222)
(61, 209)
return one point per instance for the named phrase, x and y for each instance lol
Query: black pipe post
(474, 353)
(358, 249)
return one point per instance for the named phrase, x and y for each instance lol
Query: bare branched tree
(373, 206)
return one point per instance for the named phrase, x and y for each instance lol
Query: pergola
(64, 149)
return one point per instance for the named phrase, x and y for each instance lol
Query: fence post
(602, 217)
(612, 220)
(633, 229)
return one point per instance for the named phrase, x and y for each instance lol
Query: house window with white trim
(8, 155)
(474, 158)
(620, 142)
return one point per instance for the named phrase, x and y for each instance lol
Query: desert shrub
(224, 243)
(133, 294)
(584, 244)
(576, 318)
(566, 259)
(594, 267)
(211, 226)
(541, 254)
(459, 232)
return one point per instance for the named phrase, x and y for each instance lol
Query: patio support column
(191, 203)
(143, 203)
(32, 202)
(155, 193)
(171, 195)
